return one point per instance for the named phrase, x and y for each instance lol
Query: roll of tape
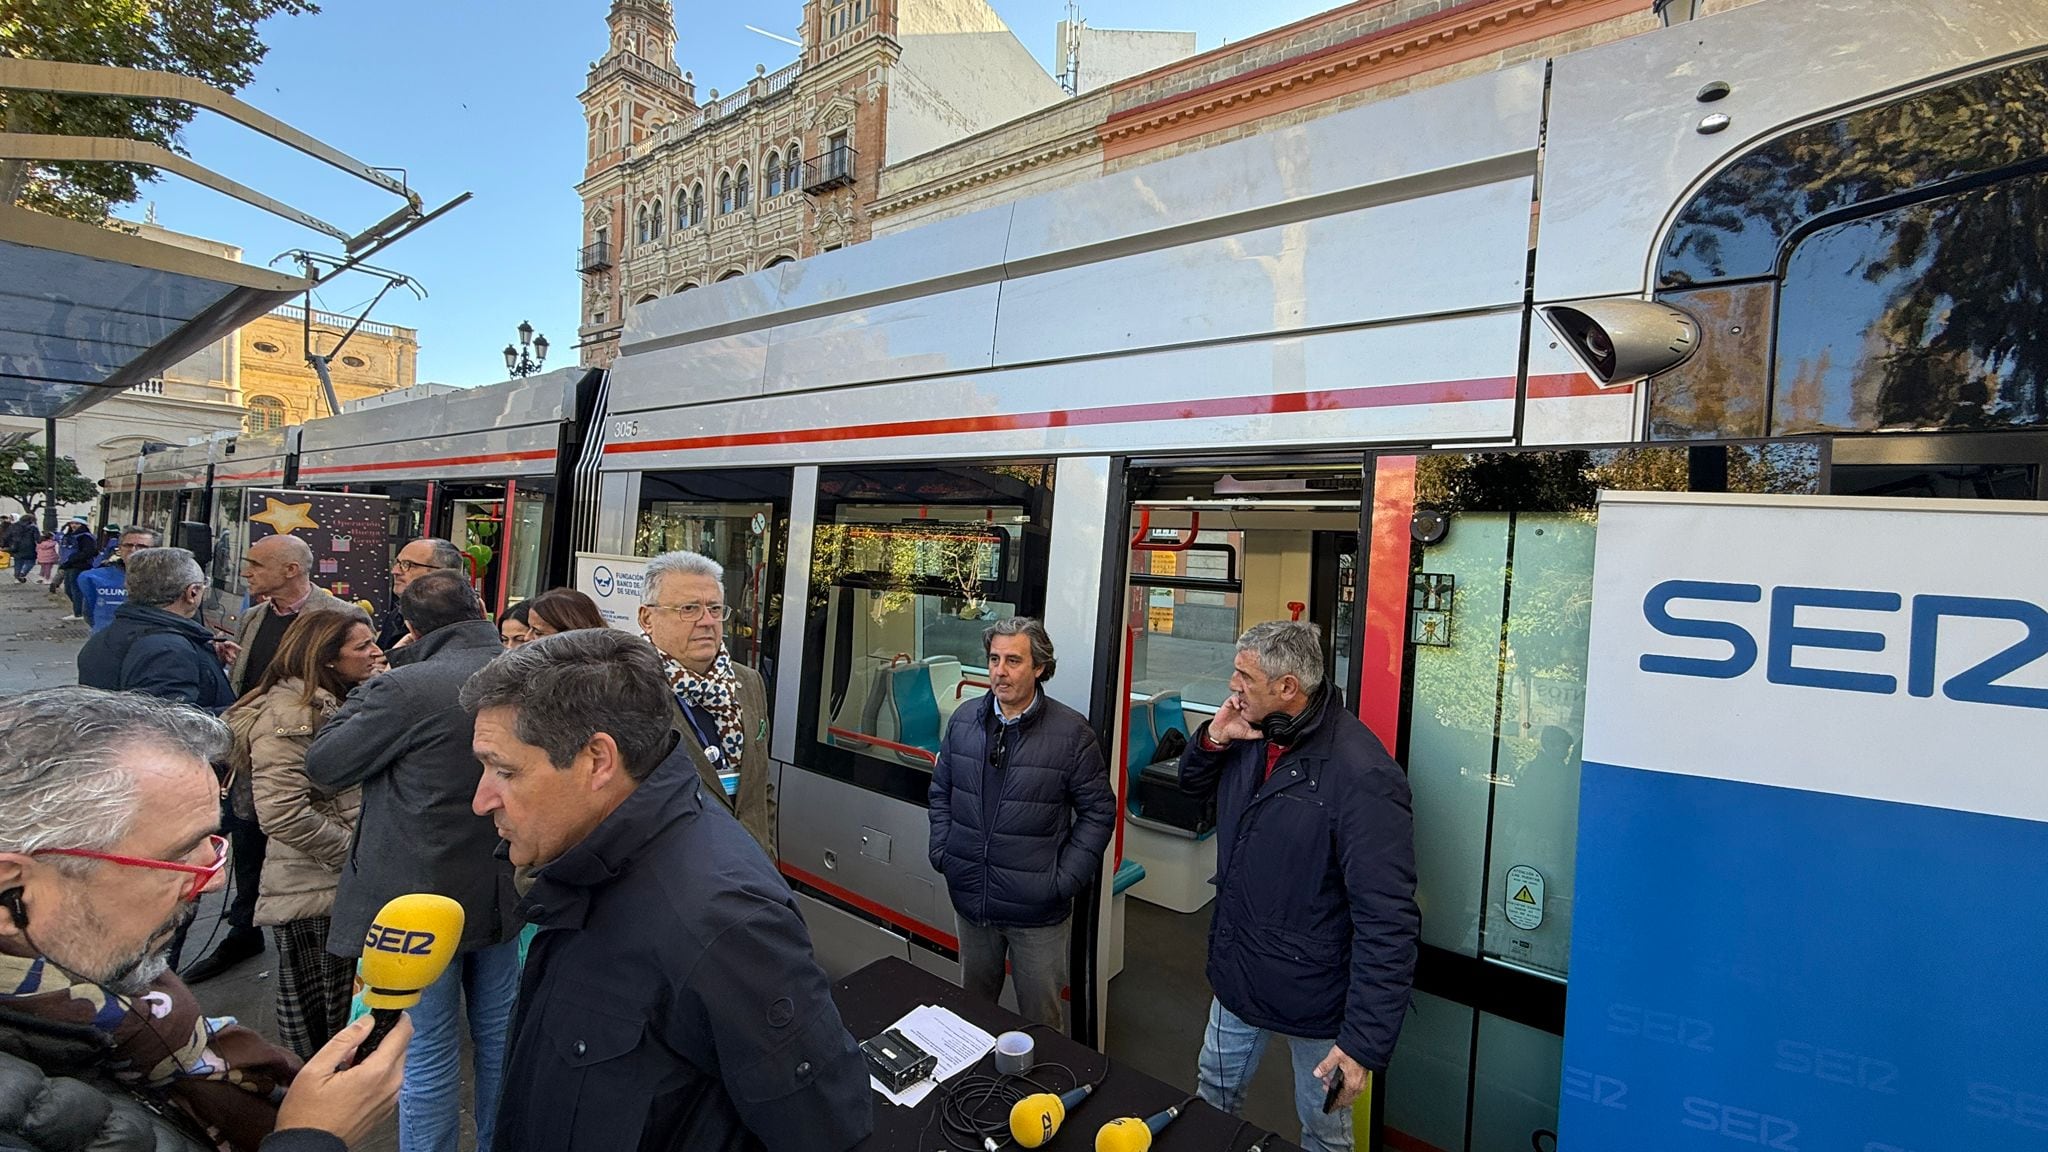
(1013, 1053)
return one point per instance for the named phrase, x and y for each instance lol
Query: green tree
(26, 488)
(211, 40)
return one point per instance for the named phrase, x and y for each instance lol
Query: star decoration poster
(349, 535)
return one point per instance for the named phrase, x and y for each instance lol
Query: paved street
(39, 649)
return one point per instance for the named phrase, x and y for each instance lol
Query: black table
(881, 993)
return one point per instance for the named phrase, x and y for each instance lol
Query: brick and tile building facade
(680, 192)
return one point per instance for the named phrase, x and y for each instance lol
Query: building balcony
(832, 169)
(594, 258)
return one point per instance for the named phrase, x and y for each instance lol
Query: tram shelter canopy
(86, 312)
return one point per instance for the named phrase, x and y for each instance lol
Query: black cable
(964, 1106)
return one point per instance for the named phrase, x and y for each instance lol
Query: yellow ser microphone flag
(408, 946)
(1130, 1134)
(1036, 1118)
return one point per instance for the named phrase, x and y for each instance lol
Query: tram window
(1919, 317)
(740, 518)
(1498, 612)
(527, 547)
(230, 538)
(1186, 616)
(909, 566)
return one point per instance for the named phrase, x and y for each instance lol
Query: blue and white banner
(1813, 832)
(614, 583)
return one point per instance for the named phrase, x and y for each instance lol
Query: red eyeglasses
(202, 874)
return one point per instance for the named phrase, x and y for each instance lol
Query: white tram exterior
(1726, 255)
(1371, 370)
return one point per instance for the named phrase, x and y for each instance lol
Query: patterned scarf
(718, 694)
(226, 1078)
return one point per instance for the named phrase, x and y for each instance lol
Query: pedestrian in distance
(108, 812)
(515, 627)
(721, 704)
(46, 557)
(78, 549)
(671, 999)
(105, 588)
(323, 654)
(404, 739)
(155, 644)
(1313, 939)
(20, 539)
(562, 610)
(1021, 810)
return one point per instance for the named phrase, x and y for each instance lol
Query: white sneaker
(74, 617)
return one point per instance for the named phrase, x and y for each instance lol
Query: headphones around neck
(1284, 730)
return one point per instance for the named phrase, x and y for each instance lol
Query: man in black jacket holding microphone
(670, 1000)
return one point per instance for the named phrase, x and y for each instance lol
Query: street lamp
(517, 360)
(20, 466)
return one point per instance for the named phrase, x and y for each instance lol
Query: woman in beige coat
(322, 655)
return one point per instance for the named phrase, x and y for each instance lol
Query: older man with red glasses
(108, 835)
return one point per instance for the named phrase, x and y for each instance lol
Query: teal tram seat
(1153, 787)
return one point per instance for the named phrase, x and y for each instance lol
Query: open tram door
(1213, 548)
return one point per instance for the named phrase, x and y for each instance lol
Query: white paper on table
(955, 1042)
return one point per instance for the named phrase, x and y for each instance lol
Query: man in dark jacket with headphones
(1315, 928)
(1021, 810)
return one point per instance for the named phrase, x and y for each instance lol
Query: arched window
(265, 412)
(774, 176)
(682, 288)
(724, 193)
(740, 184)
(696, 203)
(792, 167)
(654, 221)
(733, 274)
(779, 261)
(649, 296)
(640, 235)
(682, 210)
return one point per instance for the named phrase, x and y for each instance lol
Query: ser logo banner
(1980, 683)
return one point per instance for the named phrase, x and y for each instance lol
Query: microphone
(1034, 1119)
(1130, 1134)
(408, 946)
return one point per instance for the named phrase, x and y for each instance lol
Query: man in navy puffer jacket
(1021, 810)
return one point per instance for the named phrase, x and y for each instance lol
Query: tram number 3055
(1979, 684)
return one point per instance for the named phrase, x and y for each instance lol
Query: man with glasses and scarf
(722, 706)
(108, 820)
(1021, 810)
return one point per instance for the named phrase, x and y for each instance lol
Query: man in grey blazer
(279, 573)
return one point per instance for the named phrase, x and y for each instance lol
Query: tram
(482, 467)
(1371, 370)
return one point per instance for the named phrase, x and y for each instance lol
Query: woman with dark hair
(514, 627)
(562, 610)
(322, 655)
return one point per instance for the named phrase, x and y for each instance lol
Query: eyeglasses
(202, 874)
(1000, 754)
(693, 611)
(403, 565)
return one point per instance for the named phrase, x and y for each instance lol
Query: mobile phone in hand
(1336, 1089)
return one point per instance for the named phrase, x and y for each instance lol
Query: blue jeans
(1230, 1055)
(22, 564)
(486, 981)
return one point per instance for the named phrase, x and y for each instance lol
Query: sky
(480, 97)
